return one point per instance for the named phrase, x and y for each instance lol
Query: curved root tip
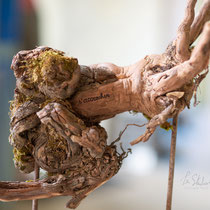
(145, 137)
(74, 202)
(136, 141)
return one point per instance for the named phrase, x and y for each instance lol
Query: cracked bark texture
(58, 105)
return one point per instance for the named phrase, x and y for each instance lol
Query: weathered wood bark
(78, 181)
(58, 105)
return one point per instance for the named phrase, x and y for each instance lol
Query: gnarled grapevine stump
(58, 105)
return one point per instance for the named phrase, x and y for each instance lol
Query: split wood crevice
(58, 105)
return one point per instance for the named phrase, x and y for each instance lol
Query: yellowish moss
(18, 154)
(37, 68)
(17, 102)
(23, 159)
(36, 71)
(166, 125)
(56, 145)
(11, 139)
(146, 116)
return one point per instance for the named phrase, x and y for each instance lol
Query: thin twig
(133, 124)
(121, 133)
(172, 163)
(36, 176)
(197, 82)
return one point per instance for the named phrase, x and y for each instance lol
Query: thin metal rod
(172, 163)
(36, 176)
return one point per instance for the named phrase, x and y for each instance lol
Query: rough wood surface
(78, 181)
(58, 105)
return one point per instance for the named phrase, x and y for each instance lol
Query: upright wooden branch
(36, 177)
(172, 164)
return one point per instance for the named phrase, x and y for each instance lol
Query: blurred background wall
(121, 32)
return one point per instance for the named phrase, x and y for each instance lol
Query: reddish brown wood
(58, 105)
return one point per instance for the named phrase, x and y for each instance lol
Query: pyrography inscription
(95, 98)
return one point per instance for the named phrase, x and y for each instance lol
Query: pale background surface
(122, 32)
